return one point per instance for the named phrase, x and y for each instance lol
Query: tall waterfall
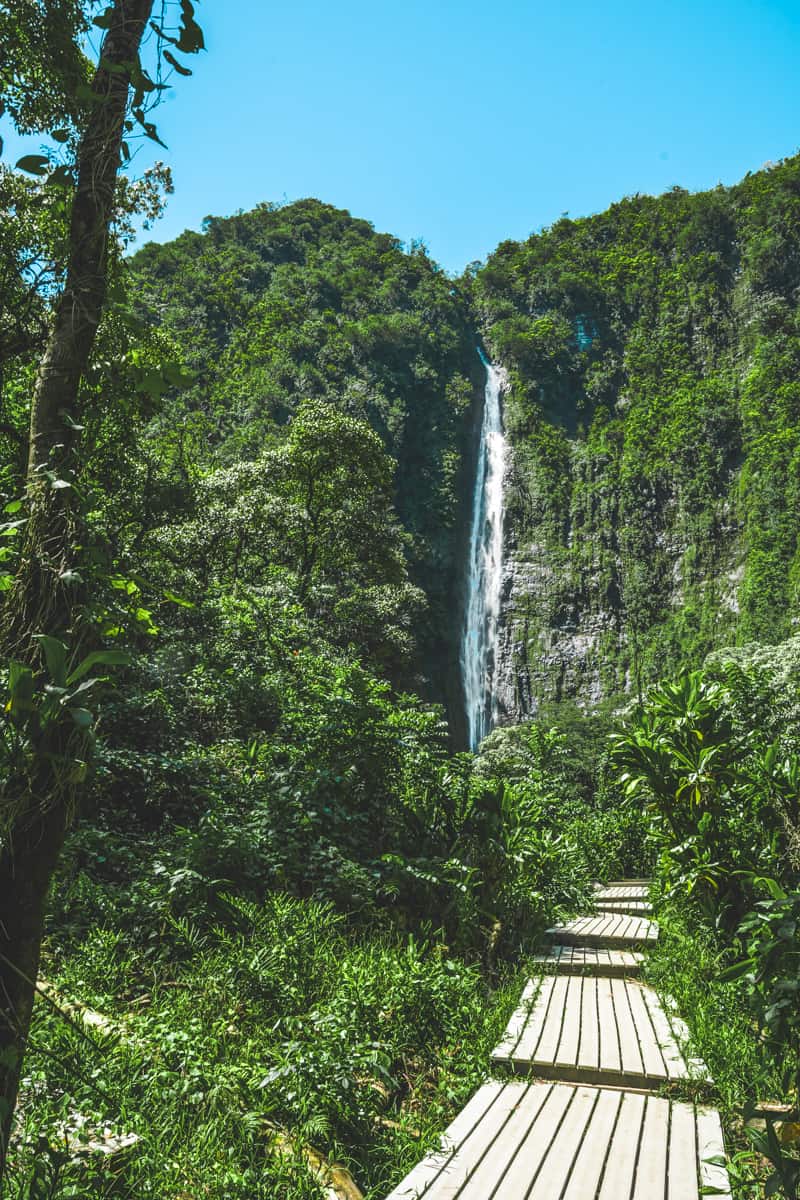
(485, 567)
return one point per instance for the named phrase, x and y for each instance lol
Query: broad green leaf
(99, 658)
(34, 164)
(103, 20)
(55, 654)
(191, 38)
(177, 600)
(173, 62)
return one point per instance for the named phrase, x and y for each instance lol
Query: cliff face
(653, 492)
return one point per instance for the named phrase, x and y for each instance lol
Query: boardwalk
(593, 1043)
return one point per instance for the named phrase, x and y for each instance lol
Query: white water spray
(485, 567)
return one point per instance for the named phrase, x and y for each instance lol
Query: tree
(47, 651)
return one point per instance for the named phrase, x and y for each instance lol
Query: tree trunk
(39, 603)
(27, 862)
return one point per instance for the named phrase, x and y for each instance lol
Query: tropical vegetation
(271, 913)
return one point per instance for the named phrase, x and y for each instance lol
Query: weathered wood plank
(629, 1035)
(670, 1041)
(573, 1130)
(533, 1153)
(634, 908)
(482, 1144)
(624, 883)
(484, 1179)
(569, 1041)
(620, 1168)
(654, 1063)
(521, 1014)
(711, 1144)
(590, 1032)
(623, 891)
(682, 1169)
(609, 1055)
(543, 1031)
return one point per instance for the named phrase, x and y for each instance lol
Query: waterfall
(485, 566)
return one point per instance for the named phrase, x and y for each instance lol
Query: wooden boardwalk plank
(608, 1049)
(634, 908)
(682, 1155)
(625, 883)
(678, 1067)
(651, 1166)
(519, 1018)
(595, 1031)
(543, 1030)
(568, 1048)
(607, 931)
(563, 1148)
(711, 1144)
(483, 1147)
(590, 1032)
(629, 1035)
(589, 960)
(543, 1141)
(622, 891)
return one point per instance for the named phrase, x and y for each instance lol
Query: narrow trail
(572, 1110)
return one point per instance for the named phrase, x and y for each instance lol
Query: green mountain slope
(281, 305)
(654, 416)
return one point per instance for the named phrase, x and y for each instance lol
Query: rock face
(565, 631)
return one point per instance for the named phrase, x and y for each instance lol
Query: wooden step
(586, 960)
(582, 1029)
(635, 888)
(613, 931)
(636, 908)
(553, 1141)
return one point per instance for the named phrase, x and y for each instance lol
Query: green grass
(363, 1045)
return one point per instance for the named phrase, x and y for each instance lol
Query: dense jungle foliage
(290, 921)
(304, 302)
(715, 756)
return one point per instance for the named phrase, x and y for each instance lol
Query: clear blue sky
(465, 123)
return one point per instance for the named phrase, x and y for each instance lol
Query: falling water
(485, 567)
